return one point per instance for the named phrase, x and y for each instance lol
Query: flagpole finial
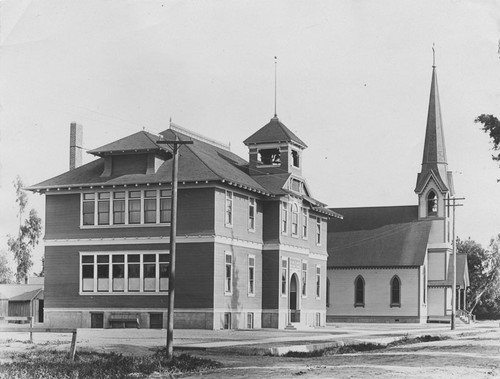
(275, 84)
(433, 55)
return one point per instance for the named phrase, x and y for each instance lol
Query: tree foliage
(28, 237)
(483, 297)
(6, 273)
(491, 125)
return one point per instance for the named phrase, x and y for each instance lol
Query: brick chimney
(75, 145)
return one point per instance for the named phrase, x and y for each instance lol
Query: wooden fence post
(72, 349)
(31, 329)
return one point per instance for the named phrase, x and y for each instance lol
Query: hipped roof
(274, 131)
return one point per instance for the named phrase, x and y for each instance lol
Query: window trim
(284, 280)
(252, 204)
(395, 304)
(229, 200)
(126, 199)
(95, 291)
(362, 303)
(319, 233)
(228, 286)
(305, 223)
(249, 292)
(295, 217)
(318, 282)
(303, 278)
(284, 217)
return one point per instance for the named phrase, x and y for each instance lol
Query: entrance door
(294, 312)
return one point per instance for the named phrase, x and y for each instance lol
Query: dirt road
(470, 355)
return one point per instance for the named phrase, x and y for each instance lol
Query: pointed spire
(434, 157)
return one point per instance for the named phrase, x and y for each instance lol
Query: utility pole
(452, 203)
(175, 146)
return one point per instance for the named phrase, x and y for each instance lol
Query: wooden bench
(124, 320)
(31, 330)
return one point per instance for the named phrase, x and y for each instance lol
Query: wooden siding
(271, 277)
(436, 301)
(128, 164)
(239, 228)
(195, 216)
(437, 265)
(239, 299)
(271, 221)
(377, 292)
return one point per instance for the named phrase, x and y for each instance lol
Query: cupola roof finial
(433, 55)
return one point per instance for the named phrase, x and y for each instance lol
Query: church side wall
(377, 307)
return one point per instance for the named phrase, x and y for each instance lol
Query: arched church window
(395, 291)
(359, 292)
(432, 204)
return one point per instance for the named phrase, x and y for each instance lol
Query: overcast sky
(353, 84)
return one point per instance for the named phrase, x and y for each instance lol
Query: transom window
(134, 207)
(124, 272)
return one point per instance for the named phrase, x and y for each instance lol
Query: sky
(353, 82)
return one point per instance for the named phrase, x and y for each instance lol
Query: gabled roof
(10, 291)
(395, 245)
(26, 296)
(274, 131)
(140, 141)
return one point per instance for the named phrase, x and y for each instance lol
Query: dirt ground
(471, 353)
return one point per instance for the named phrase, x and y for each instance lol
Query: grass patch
(362, 347)
(54, 364)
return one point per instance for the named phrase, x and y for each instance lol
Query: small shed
(22, 300)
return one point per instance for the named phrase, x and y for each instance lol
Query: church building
(394, 263)
(251, 239)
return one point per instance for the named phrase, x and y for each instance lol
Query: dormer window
(432, 204)
(296, 185)
(270, 157)
(295, 159)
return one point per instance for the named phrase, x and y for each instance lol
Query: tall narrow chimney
(75, 145)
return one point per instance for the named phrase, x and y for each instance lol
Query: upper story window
(134, 207)
(295, 158)
(432, 207)
(252, 211)
(269, 157)
(395, 291)
(228, 220)
(296, 185)
(305, 222)
(295, 220)
(359, 292)
(123, 272)
(284, 218)
(318, 231)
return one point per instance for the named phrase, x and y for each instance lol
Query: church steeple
(434, 162)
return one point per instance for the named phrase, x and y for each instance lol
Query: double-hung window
(318, 282)
(284, 276)
(88, 208)
(134, 207)
(103, 208)
(229, 209)
(318, 231)
(304, 278)
(251, 213)
(118, 208)
(251, 275)
(295, 220)
(165, 205)
(305, 219)
(123, 272)
(150, 206)
(228, 282)
(284, 218)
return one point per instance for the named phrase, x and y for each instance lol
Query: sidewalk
(145, 341)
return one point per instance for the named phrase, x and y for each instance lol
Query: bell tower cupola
(434, 182)
(275, 149)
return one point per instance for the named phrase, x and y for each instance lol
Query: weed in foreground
(54, 364)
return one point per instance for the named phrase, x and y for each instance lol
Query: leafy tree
(491, 125)
(28, 236)
(5, 271)
(484, 273)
